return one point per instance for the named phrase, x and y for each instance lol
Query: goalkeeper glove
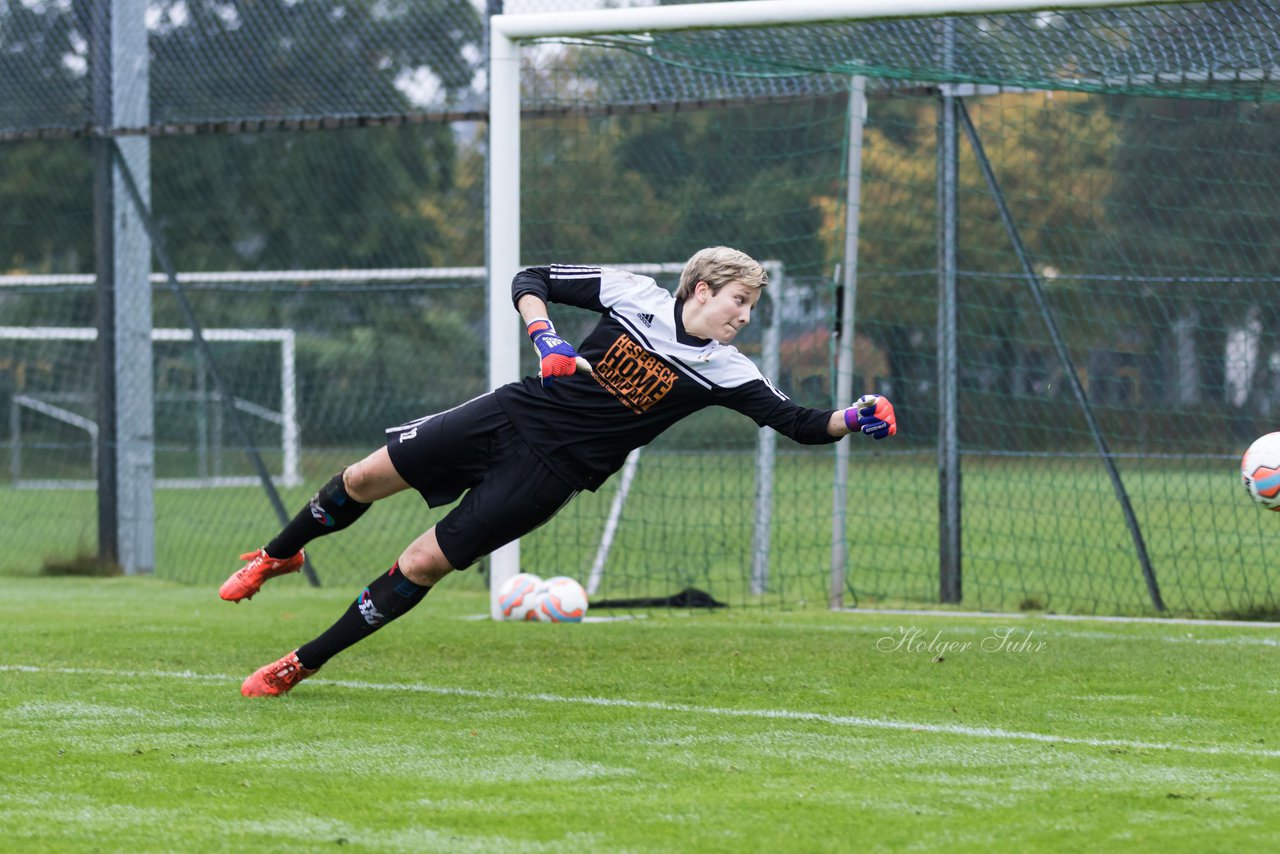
(556, 356)
(872, 414)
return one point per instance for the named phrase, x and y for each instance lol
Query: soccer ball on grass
(562, 600)
(1260, 471)
(518, 597)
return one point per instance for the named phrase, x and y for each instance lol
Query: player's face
(725, 311)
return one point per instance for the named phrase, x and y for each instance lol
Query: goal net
(1018, 204)
(988, 214)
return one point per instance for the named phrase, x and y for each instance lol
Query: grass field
(1039, 533)
(732, 731)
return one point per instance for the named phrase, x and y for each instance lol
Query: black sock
(387, 597)
(329, 510)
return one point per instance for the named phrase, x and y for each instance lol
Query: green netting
(1147, 222)
(1136, 149)
(215, 62)
(380, 333)
(1194, 50)
(334, 60)
(357, 366)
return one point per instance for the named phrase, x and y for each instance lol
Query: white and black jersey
(649, 374)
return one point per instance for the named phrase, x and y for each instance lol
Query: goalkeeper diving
(513, 457)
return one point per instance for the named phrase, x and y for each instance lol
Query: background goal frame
(286, 419)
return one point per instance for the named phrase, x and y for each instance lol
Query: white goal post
(506, 32)
(286, 418)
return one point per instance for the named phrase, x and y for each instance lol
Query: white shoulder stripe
(574, 271)
(693, 373)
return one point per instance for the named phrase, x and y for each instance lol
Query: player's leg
(518, 495)
(337, 505)
(440, 456)
(373, 478)
(389, 596)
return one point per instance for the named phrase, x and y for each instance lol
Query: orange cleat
(248, 579)
(276, 678)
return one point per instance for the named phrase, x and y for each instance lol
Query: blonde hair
(719, 266)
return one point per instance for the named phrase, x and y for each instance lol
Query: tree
(287, 199)
(356, 197)
(375, 197)
(1193, 208)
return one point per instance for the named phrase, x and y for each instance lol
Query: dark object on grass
(84, 564)
(1266, 612)
(690, 597)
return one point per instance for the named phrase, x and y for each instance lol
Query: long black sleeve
(649, 373)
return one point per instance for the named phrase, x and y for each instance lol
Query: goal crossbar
(763, 13)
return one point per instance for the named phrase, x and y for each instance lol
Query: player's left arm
(767, 406)
(871, 415)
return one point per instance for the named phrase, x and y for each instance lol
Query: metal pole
(949, 510)
(197, 337)
(611, 523)
(125, 447)
(289, 411)
(1064, 356)
(201, 411)
(104, 269)
(845, 330)
(762, 13)
(503, 248)
(15, 436)
(767, 438)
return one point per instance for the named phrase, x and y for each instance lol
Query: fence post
(846, 306)
(949, 512)
(125, 448)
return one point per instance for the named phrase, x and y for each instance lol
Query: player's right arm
(556, 356)
(559, 283)
(594, 288)
(597, 289)
(531, 308)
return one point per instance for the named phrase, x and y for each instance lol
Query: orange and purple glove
(556, 356)
(872, 414)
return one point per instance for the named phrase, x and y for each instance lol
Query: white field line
(1162, 621)
(1072, 618)
(850, 721)
(1047, 633)
(1232, 641)
(997, 619)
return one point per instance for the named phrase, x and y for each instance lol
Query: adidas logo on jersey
(646, 319)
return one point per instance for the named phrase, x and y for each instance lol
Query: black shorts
(473, 448)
